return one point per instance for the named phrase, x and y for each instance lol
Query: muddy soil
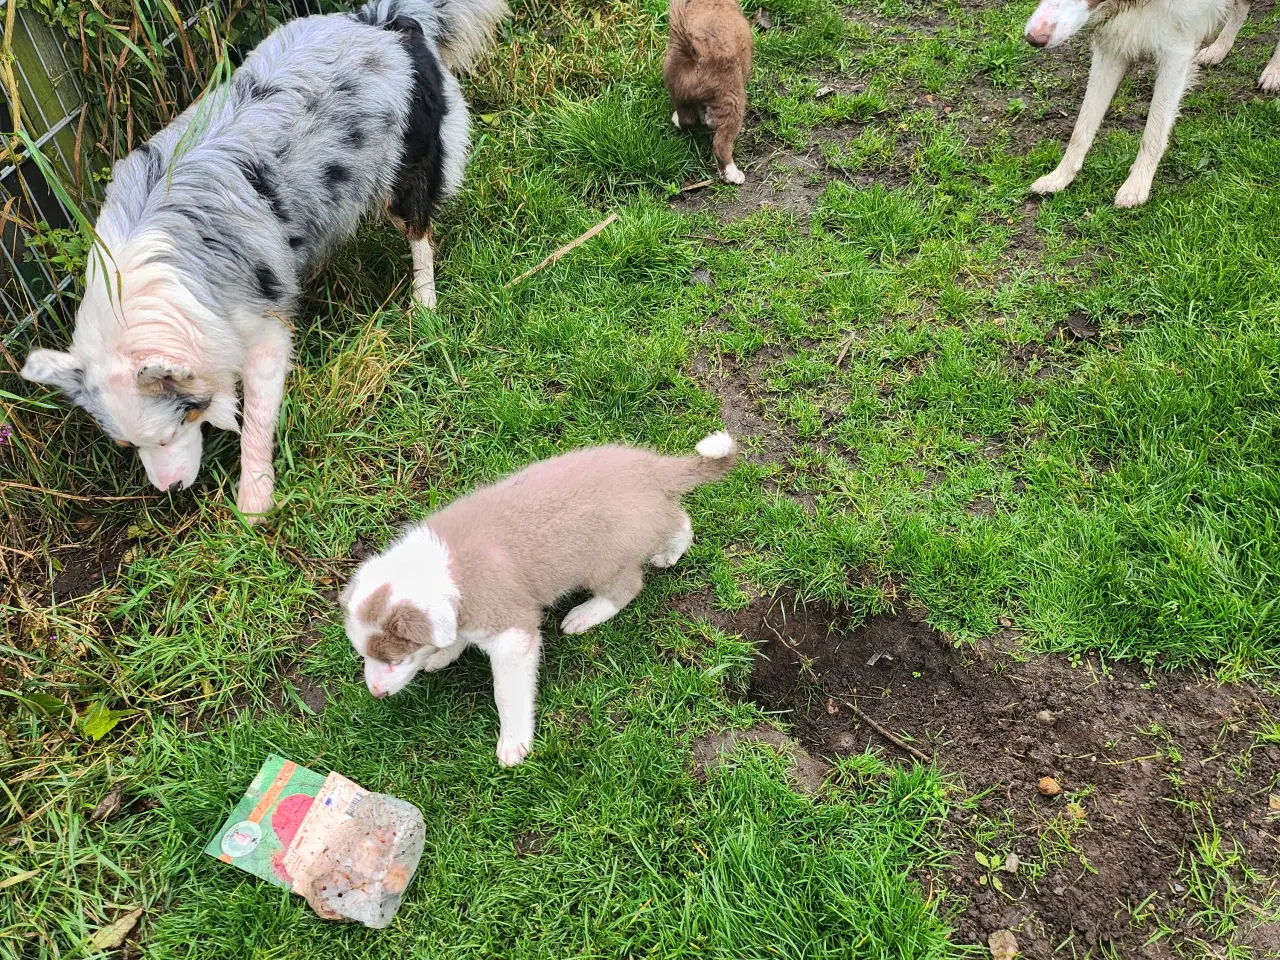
(1146, 765)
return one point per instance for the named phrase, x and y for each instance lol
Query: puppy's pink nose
(378, 692)
(1039, 34)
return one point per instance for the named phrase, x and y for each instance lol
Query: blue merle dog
(209, 229)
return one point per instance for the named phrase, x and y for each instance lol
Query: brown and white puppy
(706, 68)
(482, 570)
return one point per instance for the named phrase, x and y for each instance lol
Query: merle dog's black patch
(335, 175)
(419, 180)
(268, 283)
(155, 165)
(263, 182)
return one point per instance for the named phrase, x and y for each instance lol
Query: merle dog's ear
(54, 368)
(156, 374)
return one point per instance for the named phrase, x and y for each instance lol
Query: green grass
(895, 339)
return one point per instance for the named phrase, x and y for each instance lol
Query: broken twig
(892, 738)
(689, 188)
(562, 251)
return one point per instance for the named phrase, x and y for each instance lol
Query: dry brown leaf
(113, 934)
(108, 806)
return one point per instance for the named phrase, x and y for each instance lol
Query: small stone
(1048, 787)
(1011, 863)
(1003, 945)
(701, 277)
(1045, 717)
(1059, 891)
(844, 742)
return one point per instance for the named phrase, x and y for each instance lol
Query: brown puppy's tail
(717, 454)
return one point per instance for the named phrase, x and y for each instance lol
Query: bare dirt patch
(806, 771)
(777, 181)
(1146, 765)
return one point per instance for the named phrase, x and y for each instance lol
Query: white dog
(1215, 52)
(209, 229)
(482, 570)
(1125, 31)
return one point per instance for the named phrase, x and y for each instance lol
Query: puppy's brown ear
(405, 630)
(375, 605)
(407, 621)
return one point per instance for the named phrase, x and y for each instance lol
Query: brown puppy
(706, 69)
(481, 571)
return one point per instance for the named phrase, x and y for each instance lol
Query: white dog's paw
(1052, 182)
(255, 499)
(512, 750)
(425, 294)
(1270, 79)
(1212, 55)
(1133, 194)
(675, 119)
(586, 615)
(733, 175)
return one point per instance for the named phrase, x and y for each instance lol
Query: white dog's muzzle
(174, 466)
(1054, 22)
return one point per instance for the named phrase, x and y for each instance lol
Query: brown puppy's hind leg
(727, 114)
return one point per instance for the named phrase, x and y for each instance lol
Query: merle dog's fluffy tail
(461, 29)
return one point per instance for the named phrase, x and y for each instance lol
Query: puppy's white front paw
(733, 175)
(1053, 182)
(512, 750)
(1133, 193)
(586, 615)
(254, 498)
(1270, 79)
(675, 119)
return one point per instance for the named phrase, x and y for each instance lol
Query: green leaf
(995, 882)
(982, 858)
(45, 703)
(490, 118)
(99, 720)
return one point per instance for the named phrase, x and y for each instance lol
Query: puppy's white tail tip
(716, 446)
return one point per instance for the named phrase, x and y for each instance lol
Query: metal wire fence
(69, 74)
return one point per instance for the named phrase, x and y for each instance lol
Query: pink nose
(378, 692)
(1039, 35)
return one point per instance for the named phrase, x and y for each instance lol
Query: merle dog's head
(140, 365)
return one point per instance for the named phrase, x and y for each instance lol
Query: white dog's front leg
(1105, 74)
(1216, 51)
(424, 271)
(1172, 76)
(513, 655)
(266, 366)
